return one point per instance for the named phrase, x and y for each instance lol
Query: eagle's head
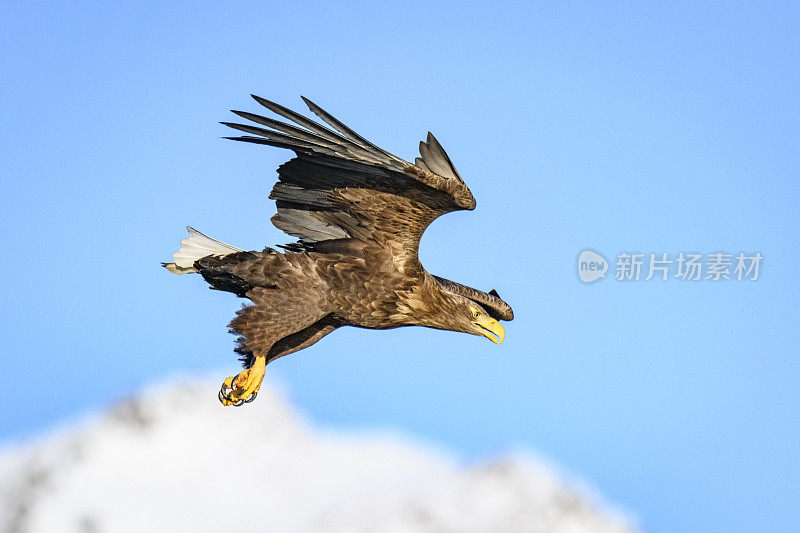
(468, 316)
(451, 306)
(483, 324)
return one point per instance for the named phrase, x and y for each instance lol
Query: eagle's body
(359, 213)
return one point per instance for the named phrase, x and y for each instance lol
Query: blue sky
(649, 129)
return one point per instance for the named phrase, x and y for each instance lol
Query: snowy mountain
(173, 459)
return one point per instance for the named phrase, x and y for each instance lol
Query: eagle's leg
(269, 332)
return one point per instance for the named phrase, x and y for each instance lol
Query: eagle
(358, 213)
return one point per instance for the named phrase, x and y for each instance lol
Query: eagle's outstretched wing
(342, 192)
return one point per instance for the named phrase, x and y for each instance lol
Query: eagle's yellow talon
(243, 388)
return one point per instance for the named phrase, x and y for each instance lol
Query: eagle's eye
(475, 313)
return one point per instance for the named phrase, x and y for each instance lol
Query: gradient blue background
(665, 128)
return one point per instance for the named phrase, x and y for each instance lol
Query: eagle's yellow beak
(491, 329)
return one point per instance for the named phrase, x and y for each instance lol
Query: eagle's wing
(342, 192)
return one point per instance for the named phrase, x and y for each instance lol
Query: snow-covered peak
(173, 459)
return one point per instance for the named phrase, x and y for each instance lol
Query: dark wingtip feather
(243, 114)
(314, 107)
(494, 293)
(246, 139)
(264, 102)
(311, 105)
(247, 129)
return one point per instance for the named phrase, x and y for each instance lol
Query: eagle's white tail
(196, 247)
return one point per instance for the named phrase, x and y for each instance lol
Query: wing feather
(435, 164)
(442, 161)
(280, 137)
(351, 135)
(341, 186)
(341, 145)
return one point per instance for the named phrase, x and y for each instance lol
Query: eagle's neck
(427, 304)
